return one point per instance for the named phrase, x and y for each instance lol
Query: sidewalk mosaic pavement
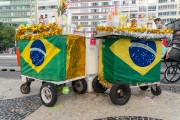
(129, 118)
(19, 108)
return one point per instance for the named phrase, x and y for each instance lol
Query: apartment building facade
(89, 13)
(168, 10)
(139, 8)
(47, 7)
(16, 12)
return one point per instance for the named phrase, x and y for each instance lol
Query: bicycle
(172, 72)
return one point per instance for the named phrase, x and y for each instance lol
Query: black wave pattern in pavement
(129, 118)
(19, 108)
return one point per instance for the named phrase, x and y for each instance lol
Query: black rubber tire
(175, 73)
(79, 86)
(43, 82)
(156, 92)
(98, 87)
(116, 91)
(25, 88)
(143, 88)
(53, 92)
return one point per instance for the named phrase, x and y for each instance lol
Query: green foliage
(6, 36)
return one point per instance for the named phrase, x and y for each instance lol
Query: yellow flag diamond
(121, 49)
(50, 52)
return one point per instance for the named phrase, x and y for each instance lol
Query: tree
(6, 36)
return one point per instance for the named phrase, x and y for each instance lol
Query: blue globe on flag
(142, 53)
(37, 52)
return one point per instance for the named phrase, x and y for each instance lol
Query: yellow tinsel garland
(128, 29)
(34, 32)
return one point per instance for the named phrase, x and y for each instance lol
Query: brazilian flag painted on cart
(130, 60)
(52, 58)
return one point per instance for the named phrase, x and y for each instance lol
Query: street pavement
(142, 105)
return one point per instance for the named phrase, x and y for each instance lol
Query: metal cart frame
(120, 92)
(50, 89)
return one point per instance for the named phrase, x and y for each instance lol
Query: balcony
(24, 16)
(79, 1)
(82, 7)
(25, 4)
(90, 13)
(5, 11)
(74, 20)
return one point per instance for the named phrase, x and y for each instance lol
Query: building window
(94, 4)
(152, 8)
(5, 20)
(84, 23)
(74, 17)
(105, 10)
(5, 8)
(95, 16)
(20, 2)
(104, 16)
(162, 1)
(164, 7)
(105, 3)
(84, 17)
(94, 10)
(133, 1)
(142, 9)
(84, 4)
(153, 14)
(93, 29)
(74, 5)
(172, 13)
(94, 22)
(75, 23)
(19, 14)
(116, 2)
(84, 10)
(172, 0)
(53, 7)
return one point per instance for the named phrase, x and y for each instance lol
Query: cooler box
(55, 58)
(129, 60)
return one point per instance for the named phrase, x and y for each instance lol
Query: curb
(10, 69)
(171, 84)
(17, 69)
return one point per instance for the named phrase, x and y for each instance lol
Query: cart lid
(151, 37)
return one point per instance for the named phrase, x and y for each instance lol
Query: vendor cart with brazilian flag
(127, 60)
(53, 58)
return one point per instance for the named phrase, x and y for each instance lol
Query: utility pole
(36, 11)
(34, 8)
(30, 8)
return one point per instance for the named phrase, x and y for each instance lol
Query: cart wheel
(120, 93)
(79, 86)
(98, 87)
(156, 90)
(25, 88)
(43, 82)
(172, 74)
(143, 88)
(48, 94)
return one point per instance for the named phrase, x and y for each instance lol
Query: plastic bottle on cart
(46, 19)
(53, 19)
